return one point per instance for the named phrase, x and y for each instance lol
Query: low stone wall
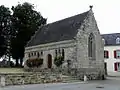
(28, 78)
(91, 73)
(79, 73)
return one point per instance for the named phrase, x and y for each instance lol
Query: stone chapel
(76, 38)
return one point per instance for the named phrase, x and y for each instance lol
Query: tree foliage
(5, 26)
(16, 29)
(25, 22)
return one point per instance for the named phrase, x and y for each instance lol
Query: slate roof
(65, 29)
(110, 39)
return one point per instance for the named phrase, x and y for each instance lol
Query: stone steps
(68, 79)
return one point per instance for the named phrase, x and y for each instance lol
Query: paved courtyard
(112, 83)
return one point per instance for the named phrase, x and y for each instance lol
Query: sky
(106, 12)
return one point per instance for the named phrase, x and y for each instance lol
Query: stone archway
(49, 60)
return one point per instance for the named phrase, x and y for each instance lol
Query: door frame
(49, 61)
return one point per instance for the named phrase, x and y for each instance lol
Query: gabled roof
(110, 39)
(65, 29)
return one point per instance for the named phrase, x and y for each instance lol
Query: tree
(25, 22)
(5, 19)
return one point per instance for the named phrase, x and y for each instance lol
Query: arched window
(29, 55)
(34, 53)
(56, 53)
(118, 40)
(91, 47)
(63, 53)
(59, 51)
(41, 53)
(38, 54)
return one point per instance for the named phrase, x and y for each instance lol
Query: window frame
(116, 55)
(29, 55)
(106, 54)
(38, 54)
(117, 66)
(91, 47)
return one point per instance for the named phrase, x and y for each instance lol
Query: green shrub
(34, 62)
(58, 61)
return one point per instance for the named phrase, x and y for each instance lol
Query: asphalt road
(112, 83)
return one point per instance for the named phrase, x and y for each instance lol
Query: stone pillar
(2, 81)
(85, 78)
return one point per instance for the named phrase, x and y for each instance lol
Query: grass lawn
(11, 70)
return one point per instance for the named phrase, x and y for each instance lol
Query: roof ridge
(67, 18)
(110, 33)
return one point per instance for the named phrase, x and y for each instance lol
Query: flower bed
(34, 62)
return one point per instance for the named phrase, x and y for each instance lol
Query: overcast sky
(107, 12)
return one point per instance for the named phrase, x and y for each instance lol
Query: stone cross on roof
(91, 6)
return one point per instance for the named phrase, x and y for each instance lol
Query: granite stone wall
(29, 78)
(91, 73)
(50, 76)
(69, 47)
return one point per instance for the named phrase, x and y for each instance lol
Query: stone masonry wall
(49, 77)
(89, 26)
(29, 78)
(91, 73)
(69, 47)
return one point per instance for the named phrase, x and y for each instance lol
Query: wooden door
(49, 61)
